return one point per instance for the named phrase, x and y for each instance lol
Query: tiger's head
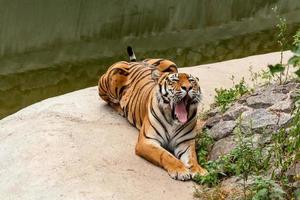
(179, 95)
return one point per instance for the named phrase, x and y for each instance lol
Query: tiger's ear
(156, 74)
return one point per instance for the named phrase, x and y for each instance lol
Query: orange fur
(134, 90)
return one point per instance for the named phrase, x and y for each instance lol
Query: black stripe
(148, 91)
(193, 115)
(156, 131)
(134, 89)
(116, 92)
(136, 94)
(188, 132)
(137, 74)
(151, 138)
(156, 117)
(139, 94)
(185, 141)
(133, 64)
(157, 62)
(134, 68)
(181, 128)
(179, 154)
(133, 98)
(122, 90)
(168, 69)
(160, 89)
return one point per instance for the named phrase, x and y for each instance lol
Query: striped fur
(147, 93)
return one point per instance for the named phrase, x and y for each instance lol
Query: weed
(260, 78)
(204, 144)
(282, 41)
(226, 97)
(266, 189)
(281, 68)
(295, 60)
(248, 160)
(243, 160)
(286, 149)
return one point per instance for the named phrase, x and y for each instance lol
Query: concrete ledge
(75, 147)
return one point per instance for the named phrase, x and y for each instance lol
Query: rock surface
(75, 147)
(264, 111)
(222, 129)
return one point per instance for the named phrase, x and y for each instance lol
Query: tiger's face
(182, 93)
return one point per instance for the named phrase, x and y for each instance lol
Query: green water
(53, 47)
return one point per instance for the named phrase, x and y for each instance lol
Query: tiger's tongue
(181, 112)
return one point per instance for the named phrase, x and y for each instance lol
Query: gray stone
(294, 94)
(294, 170)
(282, 106)
(258, 120)
(244, 98)
(265, 100)
(212, 121)
(284, 120)
(213, 112)
(222, 147)
(234, 112)
(222, 129)
(286, 88)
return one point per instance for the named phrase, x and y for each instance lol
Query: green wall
(50, 47)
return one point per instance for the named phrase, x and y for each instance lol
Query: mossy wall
(51, 47)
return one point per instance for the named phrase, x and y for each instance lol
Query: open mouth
(181, 110)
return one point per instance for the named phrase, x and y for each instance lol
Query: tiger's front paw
(182, 174)
(198, 170)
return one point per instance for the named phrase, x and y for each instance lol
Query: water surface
(52, 47)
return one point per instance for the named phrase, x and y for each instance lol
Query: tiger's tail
(131, 54)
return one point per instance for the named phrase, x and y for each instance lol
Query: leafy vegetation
(247, 160)
(295, 60)
(224, 97)
(279, 69)
(243, 160)
(266, 165)
(266, 189)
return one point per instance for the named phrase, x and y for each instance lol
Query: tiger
(162, 104)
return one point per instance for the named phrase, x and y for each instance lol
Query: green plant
(279, 69)
(247, 160)
(266, 189)
(282, 41)
(295, 60)
(224, 97)
(286, 148)
(204, 144)
(243, 160)
(262, 77)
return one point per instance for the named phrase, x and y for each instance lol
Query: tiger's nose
(186, 88)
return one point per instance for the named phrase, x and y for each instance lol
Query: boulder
(222, 129)
(222, 147)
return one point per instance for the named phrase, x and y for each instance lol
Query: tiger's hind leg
(162, 65)
(112, 85)
(149, 147)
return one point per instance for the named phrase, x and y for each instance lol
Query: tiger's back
(127, 87)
